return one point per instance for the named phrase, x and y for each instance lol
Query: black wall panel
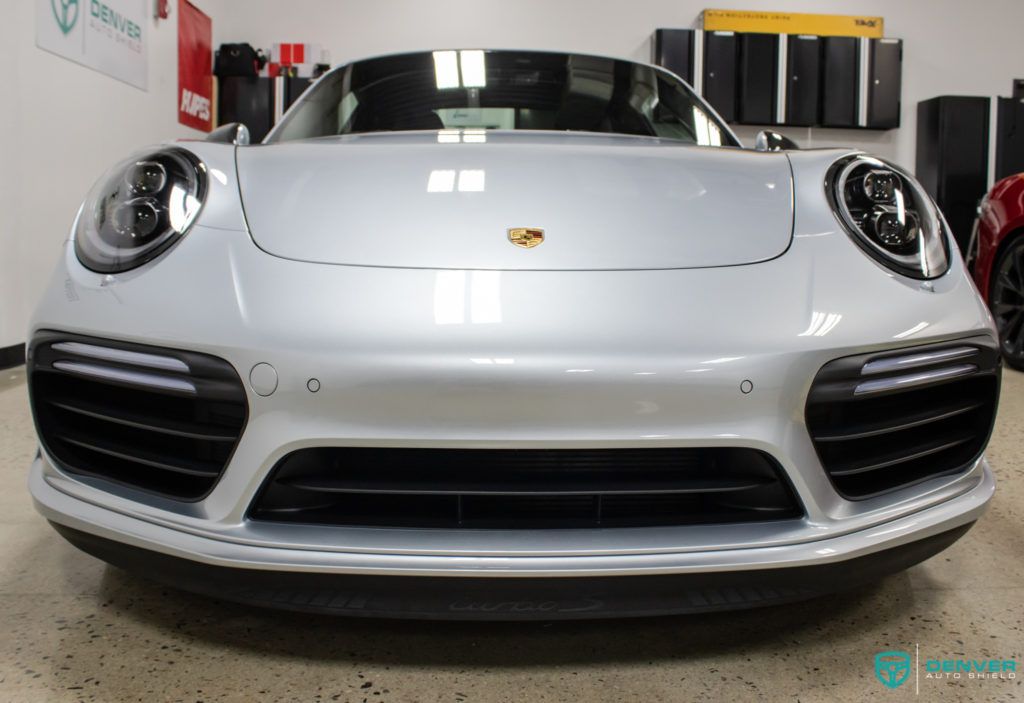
(885, 83)
(839, 75)
(757, 78)
(803, 79)
(720, 55)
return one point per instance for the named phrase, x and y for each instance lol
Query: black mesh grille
(160, 420)
(527, 488)
(885, 421)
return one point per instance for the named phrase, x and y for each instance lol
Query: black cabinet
(674, 50)
(799, 80)
(839, 81)
(885, 71)
(952, 157)
(757, 79)
(249, 100)
(720, 54)
(293, 88)
(1009, 137)
(803, 80)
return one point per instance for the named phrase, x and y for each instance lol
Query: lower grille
(888, 420)
(160, 420)
(524, 489)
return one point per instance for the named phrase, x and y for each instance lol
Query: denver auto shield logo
(66, 14)
(892, 668)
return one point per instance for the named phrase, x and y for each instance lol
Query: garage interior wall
(68, 123)
(61, 126)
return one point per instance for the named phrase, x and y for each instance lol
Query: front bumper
(412, 585)
(961, 506)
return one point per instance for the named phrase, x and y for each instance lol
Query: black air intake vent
(160, 420)
(526, 488)
(888, 420)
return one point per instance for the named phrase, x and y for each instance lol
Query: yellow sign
(793, 23)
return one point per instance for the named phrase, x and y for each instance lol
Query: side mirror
(767, 140)
(232, 133)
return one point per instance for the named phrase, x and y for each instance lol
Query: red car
(996, 258)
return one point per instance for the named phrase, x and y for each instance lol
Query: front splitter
(439, 598)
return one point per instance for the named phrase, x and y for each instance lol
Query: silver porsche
(509, 334)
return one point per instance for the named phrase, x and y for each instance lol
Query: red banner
(195, 67)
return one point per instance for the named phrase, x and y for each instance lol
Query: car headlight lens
(890, 216)
(139, 209)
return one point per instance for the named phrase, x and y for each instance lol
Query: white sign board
(106, 35)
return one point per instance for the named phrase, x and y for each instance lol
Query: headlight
(139, 209)
(890, 216)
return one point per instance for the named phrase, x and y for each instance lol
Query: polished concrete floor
(72, 629)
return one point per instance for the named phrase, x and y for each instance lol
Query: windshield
(480, 90)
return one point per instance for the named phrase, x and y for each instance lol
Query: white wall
(10, 249)
(69, 123)
(61, 126)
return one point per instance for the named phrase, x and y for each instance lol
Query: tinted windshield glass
(473, 89)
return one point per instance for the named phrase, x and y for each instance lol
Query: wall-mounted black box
(757, 78)
(803, 80)
(885, 71)
(720, 57)
(839, 81)
(797, 80)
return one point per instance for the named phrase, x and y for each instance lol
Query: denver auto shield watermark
(895, 668)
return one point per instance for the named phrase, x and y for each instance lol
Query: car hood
(446, 200)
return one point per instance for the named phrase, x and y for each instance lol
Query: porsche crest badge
(526, 237)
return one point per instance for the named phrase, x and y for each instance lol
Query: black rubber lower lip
(504, 598)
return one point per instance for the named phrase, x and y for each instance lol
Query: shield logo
(892, 668)
(526, 237)
(66, 13)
